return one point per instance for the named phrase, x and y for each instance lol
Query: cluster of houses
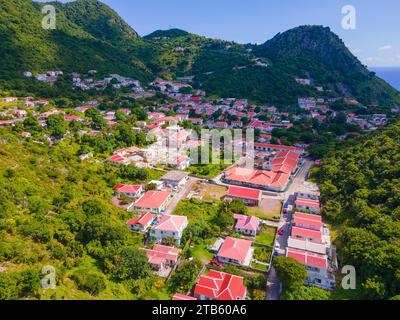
(169, 148)
(368, 122)
(49, 77)
(117, 81)
(309, 242)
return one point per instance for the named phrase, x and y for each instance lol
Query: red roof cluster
(220, 286)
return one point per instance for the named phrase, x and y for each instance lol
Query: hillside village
(279, 211)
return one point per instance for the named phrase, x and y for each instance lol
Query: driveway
(180, 195)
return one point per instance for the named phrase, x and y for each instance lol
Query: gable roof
(301, 232)
(307, 203)
(220, 286)
(153, 199)
(245, 193)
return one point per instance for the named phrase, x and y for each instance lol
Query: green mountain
(79, 42)
(319, 54)
(90, 35)
(360, 189)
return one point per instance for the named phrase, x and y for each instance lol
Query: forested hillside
(360, 187)
(55, 210)
(90, 35)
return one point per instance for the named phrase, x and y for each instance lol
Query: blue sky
(376, 39)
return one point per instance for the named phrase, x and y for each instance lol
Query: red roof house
(246, 224)
(309, 259)
(237, 251)
(262, 179)
(129, 190)
(169, 226)
(249, 196)
(308, 205)
(141, 223)
(220, 286)
(307, 234)
(152, 201)
(307, 221)
(162, 257)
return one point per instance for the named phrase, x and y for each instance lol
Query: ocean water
(390, 75)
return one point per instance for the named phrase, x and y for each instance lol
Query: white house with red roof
(152, 201)
(129, 190)
(317, 265)
(141, 223)
(308, 205)
(169, 226)
(248, 225)
(307, 234)
(218, 285)
(307, 221)
(251, 197)
(162, 257)
(236, 251)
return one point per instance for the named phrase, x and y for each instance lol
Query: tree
(56, 125)
(291, 273)
(184, 277)
(132, 264)
(224, 216)
(32, 124)
(89, 280)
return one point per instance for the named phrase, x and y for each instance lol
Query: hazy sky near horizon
(375, 41)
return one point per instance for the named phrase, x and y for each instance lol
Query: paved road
(273, 286)
(180, 195)
(299, 180)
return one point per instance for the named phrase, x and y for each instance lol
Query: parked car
(281, 230)
(216, 262)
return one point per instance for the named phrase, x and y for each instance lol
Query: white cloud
(387, 47)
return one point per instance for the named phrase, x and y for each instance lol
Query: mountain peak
(170, 33)
(316, 41)
(98, 19)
